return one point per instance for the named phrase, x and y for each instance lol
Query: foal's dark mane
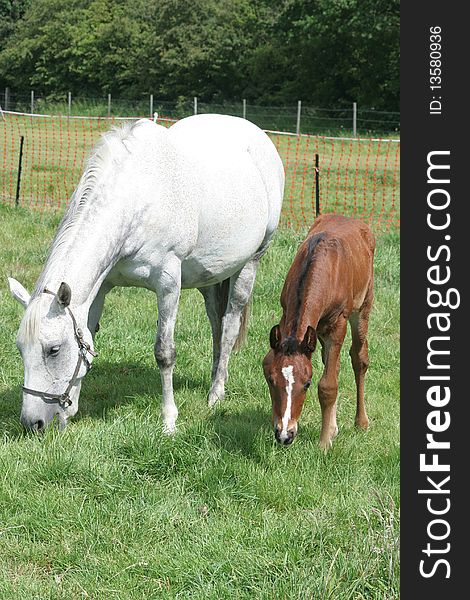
(291, 344)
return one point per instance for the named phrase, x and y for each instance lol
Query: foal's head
(288, 371)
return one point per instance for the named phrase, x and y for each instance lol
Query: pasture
(112, 508)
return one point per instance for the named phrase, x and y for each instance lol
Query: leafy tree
(324, 52)
(11, 11)
(333, 52)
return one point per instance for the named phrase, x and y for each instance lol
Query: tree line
(324, 52)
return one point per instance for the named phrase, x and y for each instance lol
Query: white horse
(192, 206)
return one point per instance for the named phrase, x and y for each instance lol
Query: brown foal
(329, 283)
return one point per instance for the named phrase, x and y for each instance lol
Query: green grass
(113, 509)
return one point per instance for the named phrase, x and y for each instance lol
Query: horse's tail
(243, 332)
(245, 316)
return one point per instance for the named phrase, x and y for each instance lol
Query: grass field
(113, 509)
(357, 177)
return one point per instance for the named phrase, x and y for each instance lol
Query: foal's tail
(243, 332)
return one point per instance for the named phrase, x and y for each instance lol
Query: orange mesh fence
(357, 177)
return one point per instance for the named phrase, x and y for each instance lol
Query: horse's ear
(275, 337)
(19, 292)
(310, 340)
(64, 294)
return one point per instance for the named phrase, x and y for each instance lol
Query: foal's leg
(360, 356)
(215, 299)
(168, 288)
(241, 286)
(328, 384)
(322, 343)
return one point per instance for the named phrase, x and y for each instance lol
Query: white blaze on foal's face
(288, 373)
(287, 369)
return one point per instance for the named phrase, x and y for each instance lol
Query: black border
(422, 132)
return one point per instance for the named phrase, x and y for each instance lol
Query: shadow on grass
(238, 430)
(107, 386)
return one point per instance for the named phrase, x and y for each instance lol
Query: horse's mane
(30, 323)
(108, 153)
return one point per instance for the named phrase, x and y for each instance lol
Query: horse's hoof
(213, 398)
(169, 428)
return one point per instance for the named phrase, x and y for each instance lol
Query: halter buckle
(64, 401)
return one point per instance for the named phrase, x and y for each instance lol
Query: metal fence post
(7, 98)
(195, 105)
(317, 185)
(151, 105)
(299, 108)
(109, 105)
(20, 163)
(244, 108)
(70, 103)
(354, 119)
(32, 101)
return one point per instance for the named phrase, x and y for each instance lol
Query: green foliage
(321, 51)
(11, 11)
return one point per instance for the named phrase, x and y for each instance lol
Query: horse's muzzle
(33, 425)
(284, 440)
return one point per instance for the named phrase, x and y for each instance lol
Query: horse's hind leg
(215, 299)
(360, 356)
(241, 286)
(328, 384)
(168, 288)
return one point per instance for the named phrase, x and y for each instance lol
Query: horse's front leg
(168, 288)
(241, 286)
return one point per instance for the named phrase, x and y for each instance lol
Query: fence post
(70, 103)
(151, 105)
(109, 105)
(7, 98)
(317, 186)
(32, 101)
(20, 162)
(195, 105)
(244, 108)
(354, 119)
(299, 108)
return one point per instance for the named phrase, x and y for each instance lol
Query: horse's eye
(307, 385)
(54, 350)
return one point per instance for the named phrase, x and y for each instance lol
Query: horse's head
(288, 371)
(57, 350)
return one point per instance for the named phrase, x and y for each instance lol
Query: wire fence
(356, 176)
(348, 120)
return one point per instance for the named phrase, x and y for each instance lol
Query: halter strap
(83, 349)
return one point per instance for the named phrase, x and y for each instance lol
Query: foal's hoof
(325, 445)
(362, 423)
